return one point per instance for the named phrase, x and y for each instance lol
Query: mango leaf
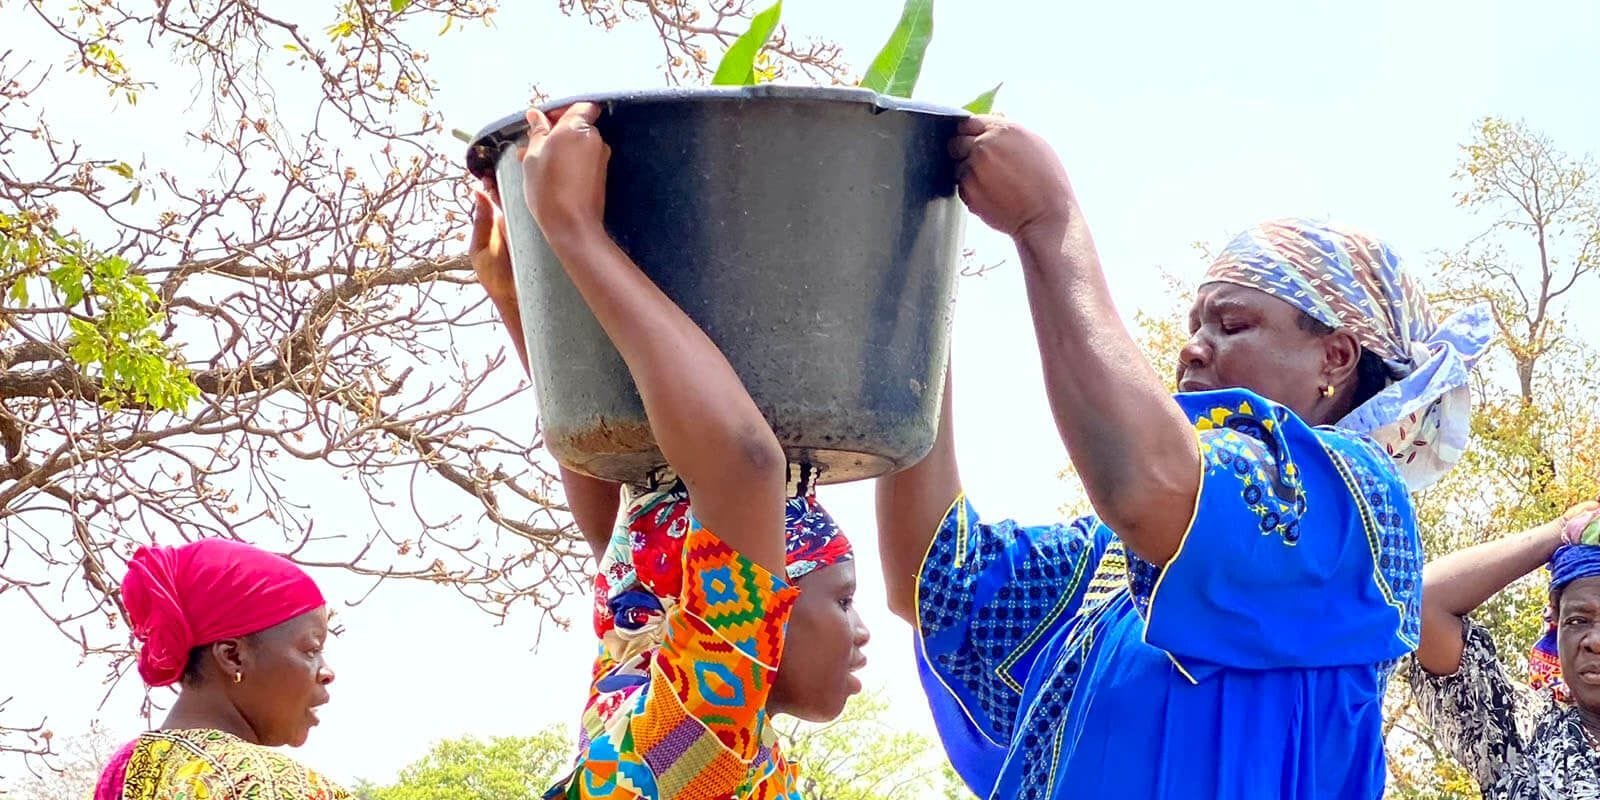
(737, 67)
(984, 103)
(894, 72)
(122, 168)
(398, 6)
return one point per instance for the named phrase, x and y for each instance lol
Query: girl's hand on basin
(491, 258)
(564, 170)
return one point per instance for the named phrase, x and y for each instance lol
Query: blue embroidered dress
(1252, 666)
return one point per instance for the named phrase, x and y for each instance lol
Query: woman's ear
(229, 656)
(1341, 354)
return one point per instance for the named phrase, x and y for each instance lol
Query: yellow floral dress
(212, 765)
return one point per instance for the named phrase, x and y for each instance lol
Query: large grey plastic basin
(813, 233)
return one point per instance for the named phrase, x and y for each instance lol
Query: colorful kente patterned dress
(212, 765)
(1252, 665)
(1517, 743)
(689, 649)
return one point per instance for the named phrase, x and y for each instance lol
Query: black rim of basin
(484, 152)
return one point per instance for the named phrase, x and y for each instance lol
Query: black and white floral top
(1518, 744)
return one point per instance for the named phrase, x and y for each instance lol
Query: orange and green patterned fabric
(678, 704)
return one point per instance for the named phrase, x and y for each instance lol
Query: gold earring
(1326, 390)
(238, 677)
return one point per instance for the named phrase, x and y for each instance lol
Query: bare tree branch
(303, 264)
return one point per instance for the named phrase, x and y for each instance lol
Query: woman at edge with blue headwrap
(1519, 742)
(1225, 625)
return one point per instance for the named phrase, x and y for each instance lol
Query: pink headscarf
(179, 598)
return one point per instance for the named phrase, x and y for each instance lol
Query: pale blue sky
(1178, 122)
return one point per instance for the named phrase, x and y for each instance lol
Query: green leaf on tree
(896, 69)
(398, 6)
(738, 65)
(984, 103)
(68, 280)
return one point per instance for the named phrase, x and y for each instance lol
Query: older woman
(1519, 742)
(726, 593)
(241, 632)
(1253, 570)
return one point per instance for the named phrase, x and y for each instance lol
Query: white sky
(1178, 121)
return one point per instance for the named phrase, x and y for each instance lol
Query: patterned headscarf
(1578, 558)
(642, 570)
(1348, 280)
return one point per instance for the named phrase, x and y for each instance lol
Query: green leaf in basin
(984, 103)
(738, 64)
(894, 72)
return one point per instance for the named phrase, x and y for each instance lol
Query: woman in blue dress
(1225, 625)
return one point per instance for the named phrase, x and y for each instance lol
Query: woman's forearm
(704, 421)
(1132, 446)
(1454, 585)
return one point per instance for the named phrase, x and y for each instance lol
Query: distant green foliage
(501, 768)
(858, 756)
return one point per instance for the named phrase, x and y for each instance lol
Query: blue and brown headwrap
(1349, 280)
(1579, 558)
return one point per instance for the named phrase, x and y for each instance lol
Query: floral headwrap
(1348, 280)
(1578, 558)
(642, 570)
